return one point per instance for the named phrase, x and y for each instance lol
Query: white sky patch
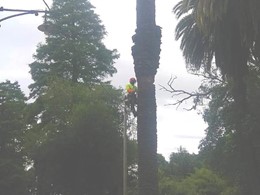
(178, 128)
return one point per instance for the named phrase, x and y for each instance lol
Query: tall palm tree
(146, 51)
(225, 32)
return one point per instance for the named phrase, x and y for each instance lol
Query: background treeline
(79, 151)
(66, 137)
(218, 168)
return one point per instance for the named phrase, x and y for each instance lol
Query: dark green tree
(206, 182)
(73, 49)
(146, 51)
(219, 142)
(79, 149)
(222, 140)
(182, 163)
(185, 174)
(225, 32)
(13, 177)
(163, 165)
(73, 135)
(220, 31)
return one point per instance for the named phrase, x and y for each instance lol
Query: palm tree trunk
(147, 139)
(146, 53)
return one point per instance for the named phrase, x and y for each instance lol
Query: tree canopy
(12, 129)
(73, 49)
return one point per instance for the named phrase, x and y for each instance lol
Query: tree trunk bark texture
(146, 52)
(249, 165)
(248, 159)
(247, 145)
(248, 149)
(147, 139)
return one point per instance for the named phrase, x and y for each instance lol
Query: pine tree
(75, 128)
(73, 49)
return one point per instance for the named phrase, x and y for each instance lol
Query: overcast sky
(176, 127)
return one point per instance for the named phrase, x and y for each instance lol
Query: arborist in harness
(131, 97)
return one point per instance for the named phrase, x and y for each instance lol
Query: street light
(45, 27)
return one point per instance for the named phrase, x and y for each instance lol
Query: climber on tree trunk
(131, 97)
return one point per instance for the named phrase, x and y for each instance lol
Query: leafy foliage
(73, 135)
(220, 31)
(193, 179)
(222, 140)
(79, 149)
(182, 163)
(226, 32)
(12, 127)
(206, 182)
(74, 48)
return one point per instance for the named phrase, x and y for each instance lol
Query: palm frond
(184, 7)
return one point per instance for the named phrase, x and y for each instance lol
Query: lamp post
(45, 27)
(125, 152)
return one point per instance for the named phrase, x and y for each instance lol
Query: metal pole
(125, 153)
(24, 12)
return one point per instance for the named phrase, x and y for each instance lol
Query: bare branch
(212, 76)
(185, 95)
